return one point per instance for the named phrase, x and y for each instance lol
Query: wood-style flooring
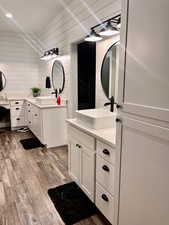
(25, 177)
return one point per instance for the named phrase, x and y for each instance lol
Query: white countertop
(106, 135)
(33, 101)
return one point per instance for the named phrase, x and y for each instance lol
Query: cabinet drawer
(17, 102)
(82, 137)
(17, 111)
(106, 152)
(105, 174)
(18, 121)
(105, 203)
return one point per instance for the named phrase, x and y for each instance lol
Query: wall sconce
(107, 28)
(50, 54)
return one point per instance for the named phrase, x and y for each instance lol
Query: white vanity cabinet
(17, 114)
(93, 165)
(82, 160)
(105, 179)
(48, 124)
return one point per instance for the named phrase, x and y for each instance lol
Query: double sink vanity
(42, 116)
(92, 157)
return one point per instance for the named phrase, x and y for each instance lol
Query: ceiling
(31, 15)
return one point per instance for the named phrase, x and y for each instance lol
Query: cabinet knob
(106, 152)
(29, 111)
(106, 168)
(118, 120)
(18, 119)
(17, 108)
(16, 103)
(29, 122)
(118, 106)
(36, 114)
(105, 198)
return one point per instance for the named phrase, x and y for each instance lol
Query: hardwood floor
(25, 177)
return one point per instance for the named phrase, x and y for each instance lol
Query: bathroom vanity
(46, 121)
(93, 165)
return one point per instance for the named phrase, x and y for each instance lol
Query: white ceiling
(32, 15)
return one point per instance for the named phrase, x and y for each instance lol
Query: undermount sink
(46, 100)
(96, 118)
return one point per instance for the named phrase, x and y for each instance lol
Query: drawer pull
(29, 105)
(16, 103)
(29, 122)
(79, 146)
(18, 119)
(17, 108)
(105, 198)
(106, 168)
(29, 111)
(106, 152)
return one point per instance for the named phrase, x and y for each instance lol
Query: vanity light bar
(50, 54)
(109, 27)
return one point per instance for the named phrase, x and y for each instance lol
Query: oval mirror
(109, 71)
(2, 81)
(58, 76)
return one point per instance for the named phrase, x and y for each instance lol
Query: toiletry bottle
(59, 100)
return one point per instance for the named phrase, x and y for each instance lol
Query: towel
(48, 83)
(1, 81)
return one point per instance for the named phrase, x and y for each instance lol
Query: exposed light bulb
(93, 37)
(9, 15)
(109, 30)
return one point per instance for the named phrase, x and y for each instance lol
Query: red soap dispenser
(59, 100)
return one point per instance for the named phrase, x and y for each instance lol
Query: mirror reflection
(58, 76)
(2, 81)
(109, 71)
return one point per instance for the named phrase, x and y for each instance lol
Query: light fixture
(50, 54)
(109, 30)
(93, 37)
(119, 23)
(9, 15)
(106, 28)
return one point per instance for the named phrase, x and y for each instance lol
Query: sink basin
(46, 100)
(96, 118)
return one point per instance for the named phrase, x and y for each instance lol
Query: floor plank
(25, 177)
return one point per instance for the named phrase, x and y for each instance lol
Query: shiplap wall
(64, 30)
(19, 63)
(45, 69)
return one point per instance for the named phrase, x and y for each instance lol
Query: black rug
(71, 203)
(31, 143)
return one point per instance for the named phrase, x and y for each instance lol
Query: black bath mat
(71, 203)
(31, 143)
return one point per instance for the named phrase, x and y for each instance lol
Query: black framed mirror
(58, 76)
(2, 81)
(109, 71)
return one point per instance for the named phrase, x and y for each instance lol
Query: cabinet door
(87, 177)
(144, 79)
(74, 161)
(144, 189)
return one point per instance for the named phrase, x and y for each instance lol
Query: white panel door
(87, 167)
(144, 189)
(144, 59)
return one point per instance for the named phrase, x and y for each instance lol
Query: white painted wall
(19, 63)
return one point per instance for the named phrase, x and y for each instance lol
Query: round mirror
(2, 81)
(58, 76)
(109, 71)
